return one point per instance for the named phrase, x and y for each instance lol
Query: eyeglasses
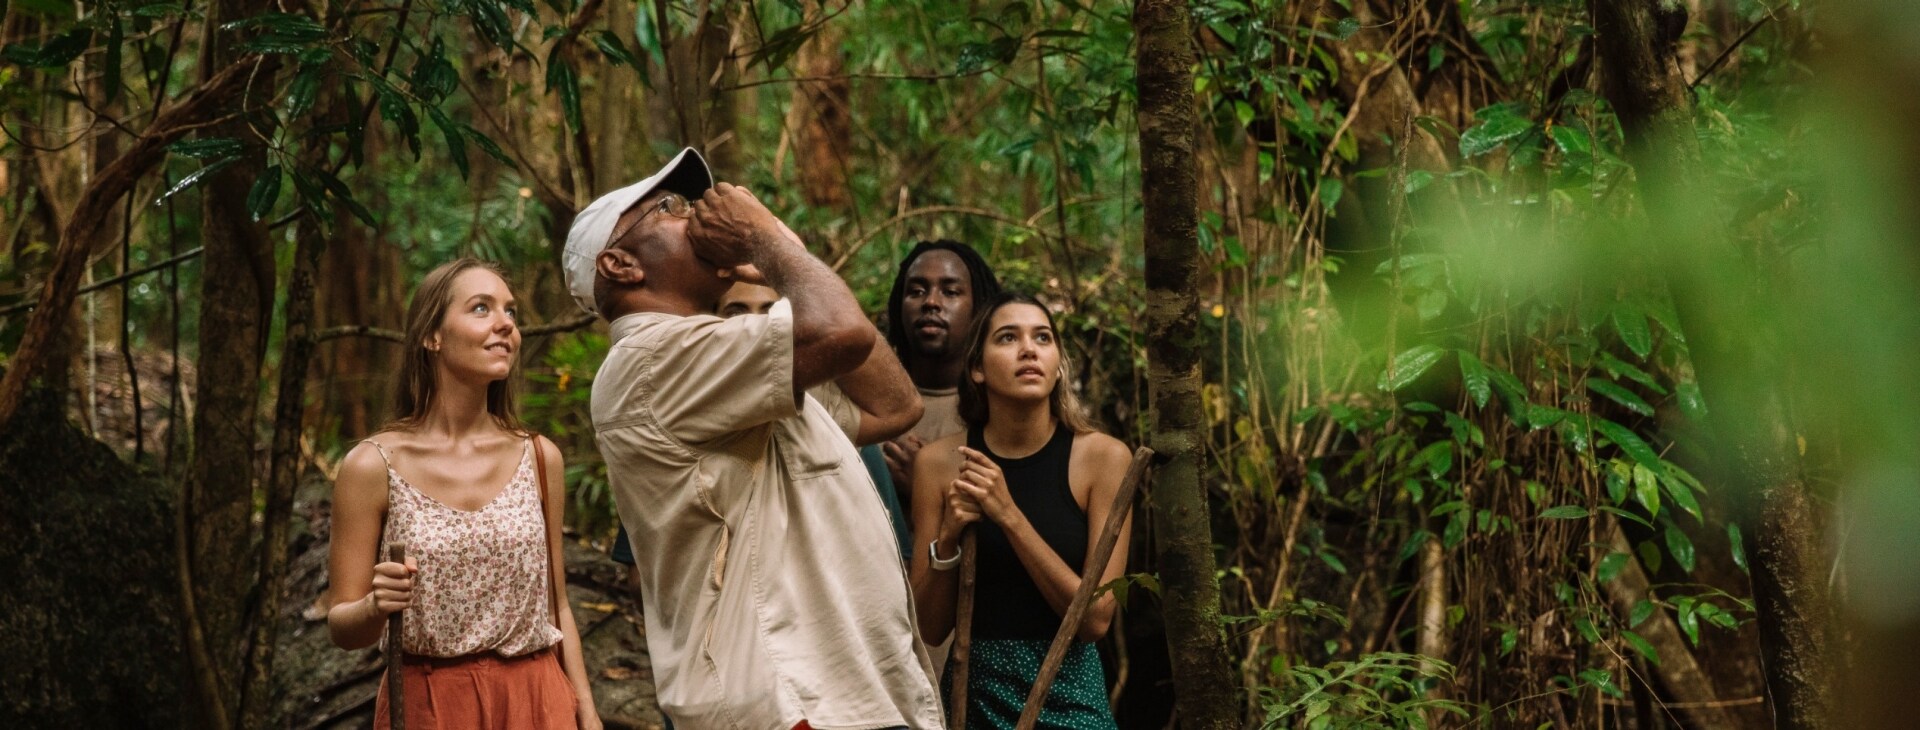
(671, 204)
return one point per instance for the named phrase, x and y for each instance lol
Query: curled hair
(414, 386)
(980, 277)
(1062, 402)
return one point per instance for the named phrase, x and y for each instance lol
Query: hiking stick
(963, 630)
(1083, 596)
(396, 709)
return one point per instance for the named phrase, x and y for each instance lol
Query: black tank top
(1007, 604)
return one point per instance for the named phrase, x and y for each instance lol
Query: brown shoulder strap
(540, 472)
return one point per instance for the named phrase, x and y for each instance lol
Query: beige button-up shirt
(772, 584)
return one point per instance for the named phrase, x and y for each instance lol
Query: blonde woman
(489, 639)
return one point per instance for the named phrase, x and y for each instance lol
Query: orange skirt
(482, 691)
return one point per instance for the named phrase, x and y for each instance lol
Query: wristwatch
(933, 554)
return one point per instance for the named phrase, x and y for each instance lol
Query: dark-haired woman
(489, 640)
(1033, 478)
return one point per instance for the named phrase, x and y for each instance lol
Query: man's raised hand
(728, 223)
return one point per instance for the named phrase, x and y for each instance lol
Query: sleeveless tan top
(483, 580)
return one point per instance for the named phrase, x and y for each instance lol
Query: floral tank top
(483, 581)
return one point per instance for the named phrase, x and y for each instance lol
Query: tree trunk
(824, 138)
(236, 299)
(1202, 673)
(82, 229)
(1718, 291)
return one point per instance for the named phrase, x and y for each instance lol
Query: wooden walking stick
(963, 630)
(396, 709)
(1083, 596)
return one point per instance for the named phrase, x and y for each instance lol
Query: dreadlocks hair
(985, 288)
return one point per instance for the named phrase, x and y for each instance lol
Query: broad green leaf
(1681, 547)
(1346, 28)
(1408, 366)
(1499, 124)
(561, 78)
(1621, 368)
(1739, 547)
(1642, 610)
(1474, 374)
(1691, 402)
(1438, 457)
(1641, 647)
(1331, 189)
(1573, 141)
(1649, 556)
(615, 49)
(1630, 443)
(263, 194)
(1611, 565)
(1565, 512)
(1646, 489)
(1631, 322)
(1689, 620)
(1681, 493)
(1614, 392)
(301, 91)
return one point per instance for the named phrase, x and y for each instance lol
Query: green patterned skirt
(1001, 673)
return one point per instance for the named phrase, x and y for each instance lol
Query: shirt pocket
(805, 458)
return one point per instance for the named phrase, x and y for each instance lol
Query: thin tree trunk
(1739, 367)
(824, 139)
(236, 300)
(1203, 676)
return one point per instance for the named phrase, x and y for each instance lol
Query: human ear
(619, 265)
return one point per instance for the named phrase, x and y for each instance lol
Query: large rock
(89, 596)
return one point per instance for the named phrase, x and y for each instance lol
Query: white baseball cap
(592, 231)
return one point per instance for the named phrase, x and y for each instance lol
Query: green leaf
(1739, 547)
(1331, 189)
(209, 148)
(57, 53)
(1625, 515)
(1680, 547)
(1438, 456)
(1682, 494)
(1611, 565)
(1631, 322)
(613, 48)
(1565, 512)
(1692, 402)
(1642, 610)
(301, 91)
(1689, 620)
(1346, 28)
(488, 146)
(1617, 367)
(195, 178)
(1614, 392)
(560, 76)
(345, 197)
(1512, 394)
(1646, 489)
(456, 142)
(264, 193)
(1498, 125)
(1573, 141)
(1649, 556)
(1408, 366)
(1630, 443)
(1641, 647)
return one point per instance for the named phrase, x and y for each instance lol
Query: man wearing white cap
(773, 593)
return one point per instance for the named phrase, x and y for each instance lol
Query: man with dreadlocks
(929, 314)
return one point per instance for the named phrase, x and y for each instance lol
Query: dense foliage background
(1464, 341)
